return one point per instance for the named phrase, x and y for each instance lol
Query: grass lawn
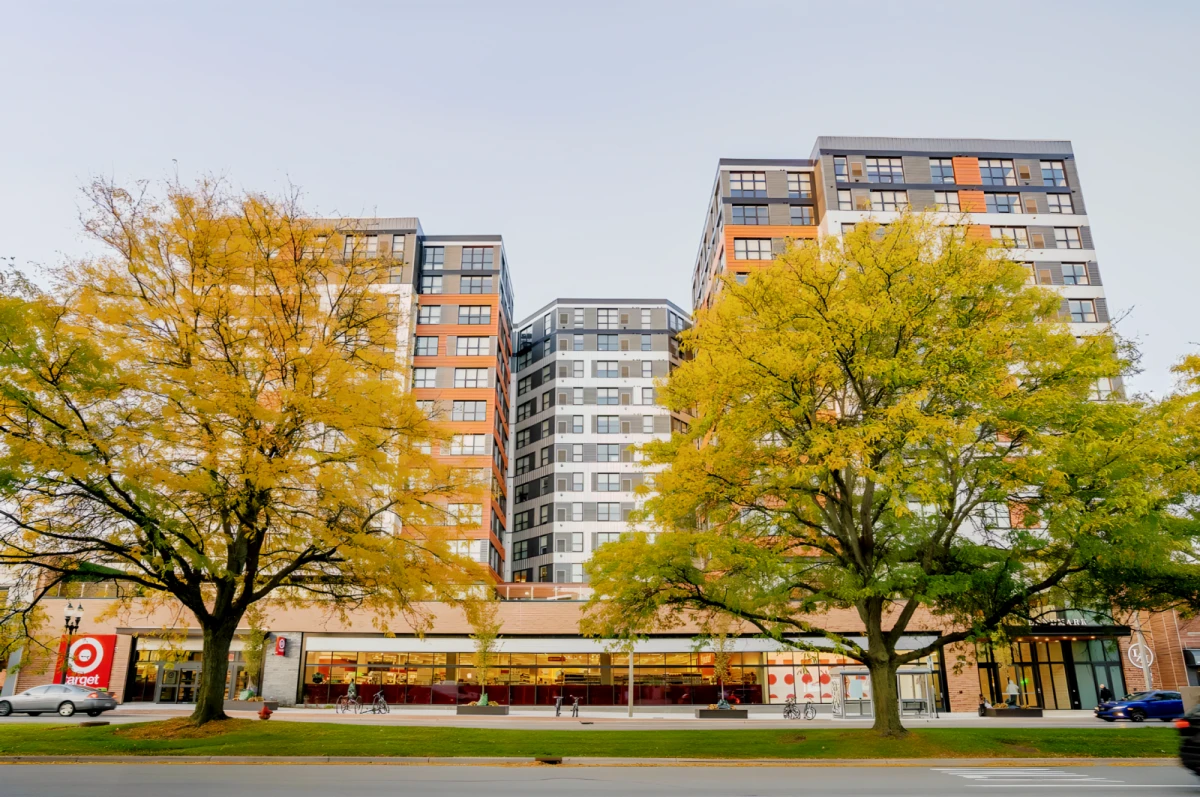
(256, 738)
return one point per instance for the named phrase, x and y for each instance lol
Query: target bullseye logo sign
(89, 661)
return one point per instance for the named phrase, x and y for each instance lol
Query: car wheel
(67, 709)
(93, 713)
(1137, 715)
(5, 708)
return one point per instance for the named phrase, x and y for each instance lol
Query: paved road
(530, 781)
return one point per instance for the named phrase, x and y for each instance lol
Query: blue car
(1156, 704)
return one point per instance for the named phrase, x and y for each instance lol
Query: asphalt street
(182, 780)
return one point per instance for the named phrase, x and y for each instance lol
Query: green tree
(894, 422)
(215, 409)
(486, 625)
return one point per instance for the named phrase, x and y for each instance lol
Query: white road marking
(1044, 776)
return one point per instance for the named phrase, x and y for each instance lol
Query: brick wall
(962, 677)
(281, 674)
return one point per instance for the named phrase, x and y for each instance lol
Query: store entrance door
(177, 684)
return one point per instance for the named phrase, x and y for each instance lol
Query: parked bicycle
(347, 704)
(792, 711)
(379, 704)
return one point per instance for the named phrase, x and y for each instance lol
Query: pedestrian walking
(558, 706)
(575, 707)
(1105, 694)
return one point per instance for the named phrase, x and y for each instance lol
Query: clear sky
(588, 133)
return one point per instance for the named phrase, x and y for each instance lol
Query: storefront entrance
(163, 677)
(1051, 673)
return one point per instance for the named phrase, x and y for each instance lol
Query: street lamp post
(72, 617)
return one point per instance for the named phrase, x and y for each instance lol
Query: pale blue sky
(588, 133)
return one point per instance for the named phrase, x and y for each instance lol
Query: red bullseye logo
(86, 655)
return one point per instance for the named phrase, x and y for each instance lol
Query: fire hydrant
(265, 712)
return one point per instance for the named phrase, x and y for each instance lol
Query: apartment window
(995, 171)
(577, 452)
(548, 399)
(607, 395)
(1075, 274)
(647, 395)
(646, 318)
(802, 214)
(434, 258)
(577, 545)
(431, 284)
(606, 368)
(348, 251)
(747, 184)
(468, 444)
(1060, 203)
(1003, 203)
(576, 424)
(544, 514)
(946, 200)
(475, 285)
(607, 318)
(1067, 238)
(845, 200)
(523, 410)
(1011, 237)
(799, 185)
(475, 315)
(465, 514)
(472, 347)
(647, 369)
(608, 512)
(430, 314)
(426, 347)
(469, 411)
(750, 214)
(477, 258)
(1053, 173)
(577, 487)
(841, 173)
(752, 248)
(578, 317)
(426, 406)
(424, 377)
(889, 200)
(647, 342)
(608, 452)
(577, 396)
(647, 424)
(398, 247)
(608, 424)
(1083, 311)
(606, 343)
(470, 377)
(577, 369)
(608, 482)
(941, 170)
(1102, 390)
(885, 170)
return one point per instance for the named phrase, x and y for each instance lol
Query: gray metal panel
(662, 423)
(1102, 310)
(1093, 270)
(1072, 170)
(975, 145)
(1085, 237)
(1039, 197)
(776, 184)
(1055, 269)
(589, 395)
(778, 246)
(1035, 170)
(1064, 310)
(1045, 232)
(779, 214)
(916, 169)
(920, 198)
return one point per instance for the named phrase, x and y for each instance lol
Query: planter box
(250, 705)
(1013, 713)
(482, 711)
(722, 714)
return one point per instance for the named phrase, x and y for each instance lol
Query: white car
(63, 699)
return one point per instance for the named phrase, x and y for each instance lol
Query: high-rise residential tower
(585, 372)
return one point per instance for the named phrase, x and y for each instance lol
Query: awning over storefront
(380, 644)
(1068, 630)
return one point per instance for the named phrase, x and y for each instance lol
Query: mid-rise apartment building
(584, 396)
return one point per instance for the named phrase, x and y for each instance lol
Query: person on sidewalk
(984, 705)
(1105, 694)
(575, 707)
(558, 706)
(1012, 690)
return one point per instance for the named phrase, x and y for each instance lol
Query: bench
(913, 708)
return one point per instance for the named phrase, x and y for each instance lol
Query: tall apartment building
(455, 289)
(1025, 194)
(585, 372)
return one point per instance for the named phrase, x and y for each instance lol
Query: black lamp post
(72, 617)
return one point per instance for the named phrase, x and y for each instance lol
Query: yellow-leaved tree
(216, 410)
(893, 423)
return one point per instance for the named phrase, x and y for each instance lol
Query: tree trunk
(887, 698)
(210, 696)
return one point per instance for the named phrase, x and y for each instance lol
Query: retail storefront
(535, 671)
(165, 673)
(1054, 667)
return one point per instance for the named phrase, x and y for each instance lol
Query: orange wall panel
(972, 202)
(966, 171)
(980, 232)
(799, 231)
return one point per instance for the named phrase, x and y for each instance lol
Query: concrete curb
(594, 762)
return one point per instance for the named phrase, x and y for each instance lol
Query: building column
(962, 677)
(120, 667)
(281, 674)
